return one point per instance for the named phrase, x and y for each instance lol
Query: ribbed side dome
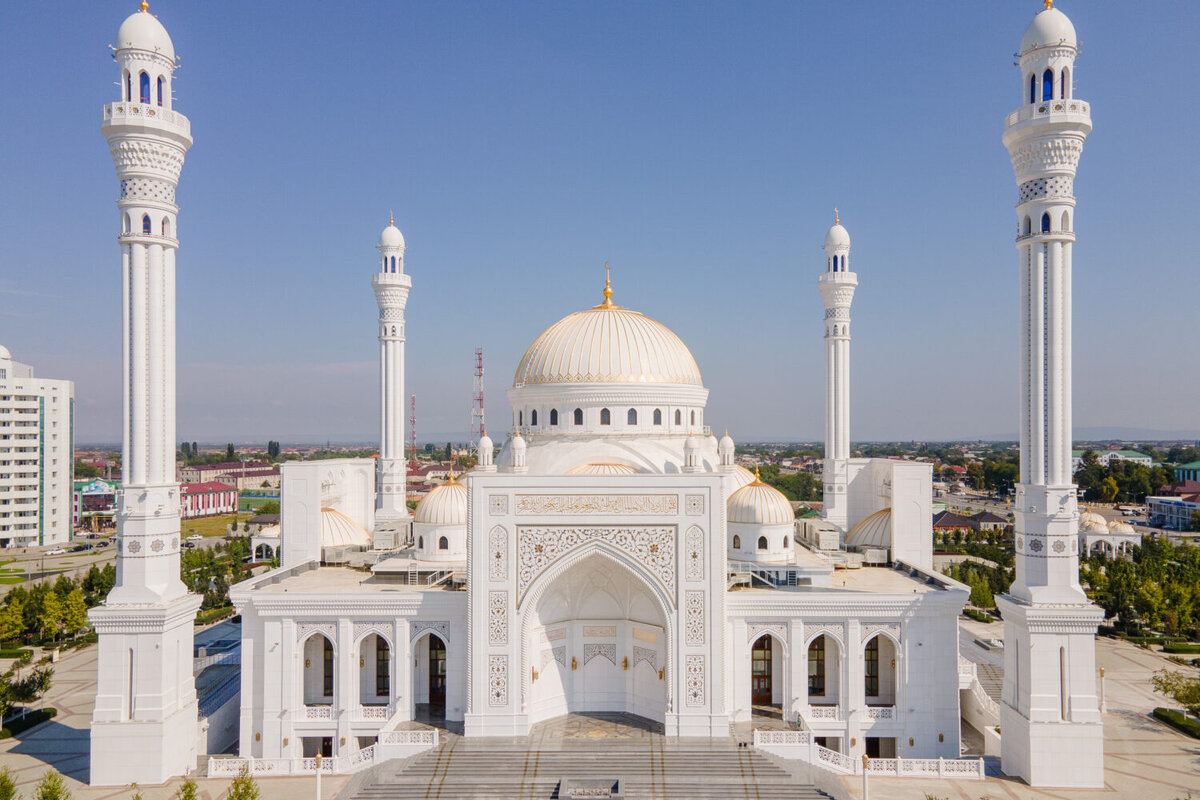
(607, 344)
(602, 468)
(1092, 522)
(759, 504)
(874, 531)
(445, 505)
(1120, 526)
(338, 530)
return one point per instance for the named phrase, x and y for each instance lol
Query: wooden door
(760, 672)
(437, 672)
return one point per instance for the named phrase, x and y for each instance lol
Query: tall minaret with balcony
(391, 287)
(144, 723)
(837, 291)
(1052, 729)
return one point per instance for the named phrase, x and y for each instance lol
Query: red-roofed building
(207, 499)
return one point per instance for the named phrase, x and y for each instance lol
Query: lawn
(209, 526)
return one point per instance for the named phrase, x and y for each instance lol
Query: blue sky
(697, 147)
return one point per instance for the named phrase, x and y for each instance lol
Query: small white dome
(690, 444)
(838, 236)
(759, 504)
(338, 530)
(1049, 28)
(518, 442)
(726, 442)
(391, 237)
(143, 31)
(445, 505)
(1092, 522)
(4, 352)
(1120, 526)
(486, 441)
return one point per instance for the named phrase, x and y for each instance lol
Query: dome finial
(757, 479)
(608, 303)
(391, 218)
(837, 220)
(145, 6)
(451, 478)
(1049, 4)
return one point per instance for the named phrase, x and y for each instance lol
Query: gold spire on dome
(391, 219)
(757, 479)
(1049, 4)
(836, 219)
(145, 6)
(608, 303)
(451, 478)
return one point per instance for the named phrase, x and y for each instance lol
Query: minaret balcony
(147, 115)
(1059, 110)
(147, 239)
(1047, 236)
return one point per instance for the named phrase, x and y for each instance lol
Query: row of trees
(212, 570)
(800, 486)
(43, 613)
(1159, 589)
(1121, 481)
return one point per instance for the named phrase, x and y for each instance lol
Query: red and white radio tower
(478, 427)
(412, 433)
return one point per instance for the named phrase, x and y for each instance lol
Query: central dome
(607, 344)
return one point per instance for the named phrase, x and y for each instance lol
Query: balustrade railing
(801, 745)
(1042, 109)
(881, 712)
(124, 111)
(824, 712)
(318, 712)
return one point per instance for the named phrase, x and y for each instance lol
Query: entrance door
(760, 672)
(437, 672)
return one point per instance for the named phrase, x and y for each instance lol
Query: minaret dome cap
(838, 236)
(141, 30)
(1049, 28)
(391, 236)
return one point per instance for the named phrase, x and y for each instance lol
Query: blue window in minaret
(160, 91)
(144, 82)
(1045, 223)
(1047, 85)
(146, 223)
(1033, 88)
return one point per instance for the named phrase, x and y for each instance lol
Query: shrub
(15, 652)
(22, 724)
(1181, 647)
(1178, 721)
(978, 616)
(8, 785)
(243, 786)
(187, 790)
(51, 787)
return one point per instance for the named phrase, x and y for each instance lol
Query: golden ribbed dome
(338, 530)
(602, 468)
(607, 344)
(741, 477)
(874, 531)
(756, 503)
(444, 505)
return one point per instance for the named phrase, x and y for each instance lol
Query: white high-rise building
(837, 291)
(391, 287)
(144, 724)
(1050, 716)
(37, 426)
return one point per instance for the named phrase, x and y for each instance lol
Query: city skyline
(520, 148)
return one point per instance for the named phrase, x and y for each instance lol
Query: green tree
(51, 787)
(1089, 458)
(85, 471)
(74, 611)
(243, 787)
(269, 507)
(1109, 489)
(49, 615)
(229, 452)
(8, 785)
(195, 450)
(12, 620)
(448, 451)
(273, 450)
(186, 791)
(1179, 687)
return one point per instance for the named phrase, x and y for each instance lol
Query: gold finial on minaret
(391, 219)
(1049, 4)
(145, 6)
(836, 219)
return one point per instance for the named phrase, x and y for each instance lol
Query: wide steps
(476, 769)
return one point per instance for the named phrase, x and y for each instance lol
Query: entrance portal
(429, 679)
(760, 672)
(437, 675)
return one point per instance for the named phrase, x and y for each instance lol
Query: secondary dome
(1049, 27)
(759, 504)
(874, 531)
(741, 477)
(1120, 526)
(142, 31)
(445, 505)
(338, 530)
(607, 344)
(602, 468)
(1091, 521)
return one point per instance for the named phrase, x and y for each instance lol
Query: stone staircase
(518, 769)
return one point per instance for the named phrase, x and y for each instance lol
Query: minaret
(144, 723)
(837, 291)
(391, 287)
(1052, 730)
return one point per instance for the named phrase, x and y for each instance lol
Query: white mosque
(611, 556)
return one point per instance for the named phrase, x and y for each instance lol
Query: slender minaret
(837, 291)
(144, 723)
(391, 287)
(1052, 730)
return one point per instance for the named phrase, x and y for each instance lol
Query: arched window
(159, 96)
(658, 416)
(785, 542)
(128, 88)
(383, 266)
(631, 417)
(693, 417)
(1046, 223)
(762, 543)
(127, 223)
(533, 417)
(737, 542)
(554, 416)
(816, 668)
(605, 417)
(393, 263)
(328, 654)
(382, 668)
(1032, 88)
(144, 87)
(579, 416)
(871, 667)
(443, 543)
(1066, 221)
(1047, 85)
(421, 542)
(146, 223)
(678, 417)
(165, 231)
(1064, 84)
(520, 418)
(1028, 227)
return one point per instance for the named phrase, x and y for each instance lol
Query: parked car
(103, 543)
(195, 537)
(58, 551)
(190, 545)
(79, 548)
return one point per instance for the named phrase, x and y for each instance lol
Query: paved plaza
(1144, 760)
